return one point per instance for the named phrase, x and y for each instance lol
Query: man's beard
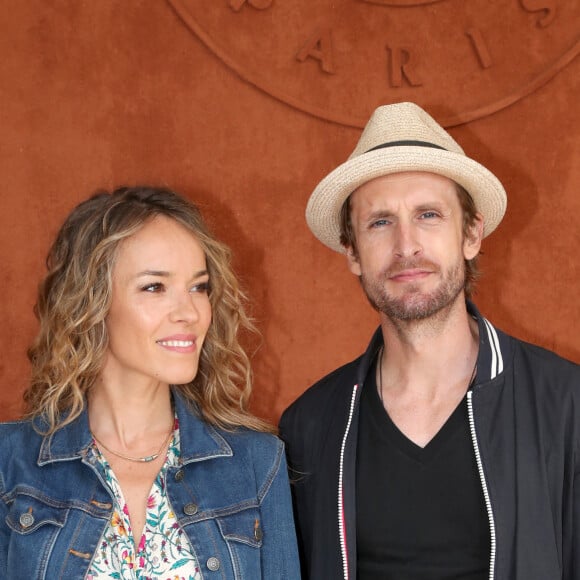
(414, 304)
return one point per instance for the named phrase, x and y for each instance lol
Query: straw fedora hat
(402, 137)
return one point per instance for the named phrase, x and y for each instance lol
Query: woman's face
(160, 310)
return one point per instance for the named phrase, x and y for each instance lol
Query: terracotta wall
(243, 105)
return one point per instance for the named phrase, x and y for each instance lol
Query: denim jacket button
(213, 564)
(26, 520)
(258, 534)
(190, 509)
(179, 475)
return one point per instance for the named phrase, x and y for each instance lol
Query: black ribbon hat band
(406, 143)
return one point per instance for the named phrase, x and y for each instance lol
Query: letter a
(319, 47)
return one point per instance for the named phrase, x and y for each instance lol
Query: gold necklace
(146, 459)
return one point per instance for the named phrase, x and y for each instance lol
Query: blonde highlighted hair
(75, 296)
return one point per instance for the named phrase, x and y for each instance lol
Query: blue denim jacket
(230, 495)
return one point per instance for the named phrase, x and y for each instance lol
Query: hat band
(406, 143)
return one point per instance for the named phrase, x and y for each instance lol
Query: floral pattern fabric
(164, 551)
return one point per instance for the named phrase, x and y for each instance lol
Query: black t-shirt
(420, 511)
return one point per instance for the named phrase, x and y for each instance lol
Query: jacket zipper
(483, 485)
(341, 522)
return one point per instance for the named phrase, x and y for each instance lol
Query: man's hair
(348, 239)
(75, 296)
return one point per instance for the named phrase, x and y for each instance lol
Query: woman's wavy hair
(74, 299)
(348, 239)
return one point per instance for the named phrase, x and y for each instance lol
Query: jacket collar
(73, 441)
(199, 440)
(368, 357)
(494, 348)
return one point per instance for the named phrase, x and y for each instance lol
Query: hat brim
(325, 203)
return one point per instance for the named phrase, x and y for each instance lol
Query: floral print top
(164, 551)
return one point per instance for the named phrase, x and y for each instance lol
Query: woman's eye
(153, 287)
(202, 287)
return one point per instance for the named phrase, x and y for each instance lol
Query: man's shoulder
(535, 369)
(545, 360)
(338, 383)
(317, 419)
(504, 352)
(333, 389)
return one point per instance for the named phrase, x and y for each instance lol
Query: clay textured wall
(243, 105)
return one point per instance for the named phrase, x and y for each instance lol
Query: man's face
(410, 244)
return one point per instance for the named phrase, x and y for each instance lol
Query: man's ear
(353, 260)
(472, 241)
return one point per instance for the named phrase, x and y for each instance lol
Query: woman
(139, 458)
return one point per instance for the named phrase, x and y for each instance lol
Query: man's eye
(429, 214)
(380, 223)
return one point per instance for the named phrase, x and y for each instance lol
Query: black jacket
(524, 412)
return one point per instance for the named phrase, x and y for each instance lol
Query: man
(448, 450)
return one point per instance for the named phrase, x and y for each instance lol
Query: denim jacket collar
(199, 441)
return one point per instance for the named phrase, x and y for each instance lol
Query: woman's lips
(179, 343)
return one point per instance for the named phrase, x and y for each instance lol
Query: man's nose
(407, 241)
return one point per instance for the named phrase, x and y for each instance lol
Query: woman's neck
(128, 416)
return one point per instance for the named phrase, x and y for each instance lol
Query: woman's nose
(185, 308)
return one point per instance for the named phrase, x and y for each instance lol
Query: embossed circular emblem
(340, 60)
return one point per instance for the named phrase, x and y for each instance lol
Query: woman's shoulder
(251, 440)
(12, 431)
(18, 439)
(257, 452)
(255, 447)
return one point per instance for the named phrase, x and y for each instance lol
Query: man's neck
(431, 354)
(425, 370)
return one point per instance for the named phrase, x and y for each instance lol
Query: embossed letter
(258, 4)
(480, 47)
(400, 65)
(319, 47)
(548, 7)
